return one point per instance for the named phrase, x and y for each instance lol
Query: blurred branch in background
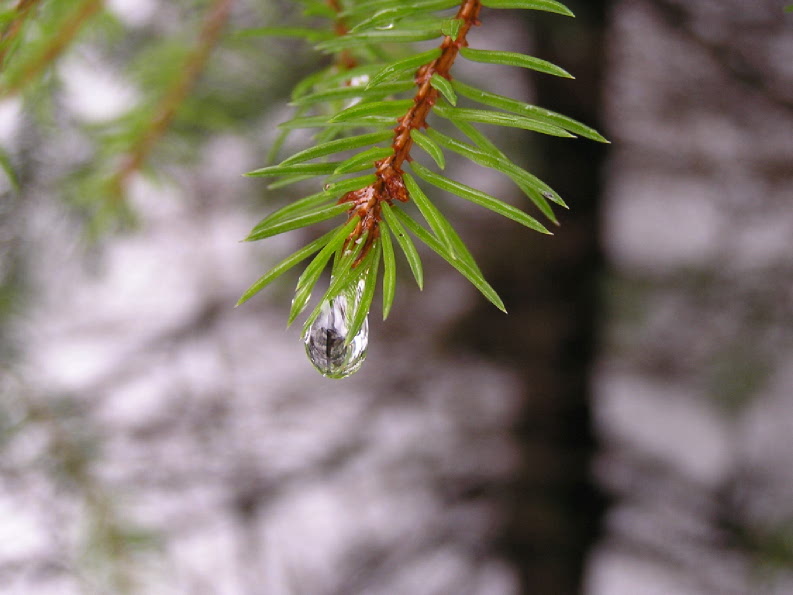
(64, 34)
(216, 17)
(163, 72)
(13, 27)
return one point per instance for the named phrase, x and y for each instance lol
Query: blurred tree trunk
(552, 508)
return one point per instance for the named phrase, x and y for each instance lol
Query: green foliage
(477, 197)
(389, 269)
(404, 241)
(378, 98)
(175, 88)
(430, 147)
(377, 80)
(513, 59)
(411, 63)
(547, 5)
(444, 87)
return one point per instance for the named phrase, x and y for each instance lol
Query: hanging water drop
(325, 340)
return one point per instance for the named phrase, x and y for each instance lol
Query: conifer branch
(12, 30)
(216, 18)
(390, 185)
(366, 30)
(68, 32)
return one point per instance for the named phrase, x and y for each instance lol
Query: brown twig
(216, 17)
(68, 31)
(24, 8)
(390, 186)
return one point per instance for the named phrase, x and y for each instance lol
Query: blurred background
(626, 429)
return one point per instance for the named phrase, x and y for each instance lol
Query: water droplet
(325, 339)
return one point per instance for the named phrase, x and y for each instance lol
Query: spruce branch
(12, 30)
(390, 185)
(69, 30)
(342, 100)
(217, 16)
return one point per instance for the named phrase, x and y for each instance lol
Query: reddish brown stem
(427, 95)
(366, 202)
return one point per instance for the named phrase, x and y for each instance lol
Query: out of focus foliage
(107, 91)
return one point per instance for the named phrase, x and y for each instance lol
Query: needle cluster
(374, 105)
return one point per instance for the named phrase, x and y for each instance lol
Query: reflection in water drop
(325, 339)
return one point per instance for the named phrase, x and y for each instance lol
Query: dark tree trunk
(550, 286)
